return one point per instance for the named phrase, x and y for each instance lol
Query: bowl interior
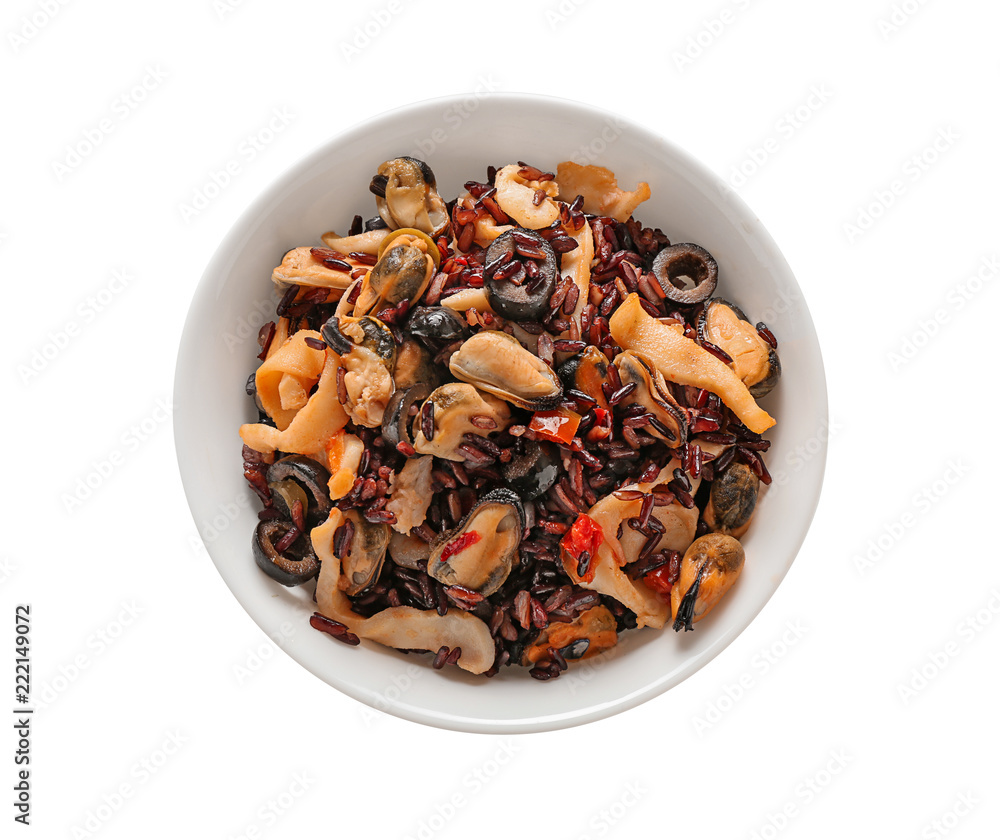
(459, 138)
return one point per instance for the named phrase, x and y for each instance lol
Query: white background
(860, 702)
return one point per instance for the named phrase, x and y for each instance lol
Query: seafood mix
(506, 428)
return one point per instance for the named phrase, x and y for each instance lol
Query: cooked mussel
(406, 196)
(732, 500)
(590, 633)
(520, 275)
(396, 418)
(290, 565)
(709, 568)
(669, 422)
(686, 260)
(363, 563)
(533, 471)
(755, 362)
(452, 411)
(480, 553)
(403, 272)
(586, 372)
(367, 353)
(298, 478)
(415, 366)
(436, 324)
(496, 362)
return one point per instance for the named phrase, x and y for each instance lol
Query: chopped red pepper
(558, 426)
(459, 544)
(580, 544)
(658, 581)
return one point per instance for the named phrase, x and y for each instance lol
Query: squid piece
(410, 493)
(400, 627)
(307, 266)
(599, 187)
(576, 266)
(312, 427)
(684, 361)
(368, 242)
(516, 195)
(296, 362)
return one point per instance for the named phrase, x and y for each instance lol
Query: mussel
(586, 372)
(364, 560)
(496, 362)
(406, 196)
(590, 633)
(669, 422)
(452, 411)
(520, 275)
(415, 366)
(367, 352)
(709, 568)
(396, 418)
(732, 500)
(480, 553)
(403, 272)
(755, 362)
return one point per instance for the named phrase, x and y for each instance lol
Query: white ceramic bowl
(459, 139)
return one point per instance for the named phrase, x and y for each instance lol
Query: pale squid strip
(299, 267)
(515, 195)
(343, 452)
(361, 243)
(576, 266)
(294, 358)
(599, 187)
(685, 362)
(313, 425)
(401, 627)
(466, 299)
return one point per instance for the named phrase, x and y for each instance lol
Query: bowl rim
(184, 454)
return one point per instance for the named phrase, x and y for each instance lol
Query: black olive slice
(686, 260)
(520, 275)
(293, 566)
